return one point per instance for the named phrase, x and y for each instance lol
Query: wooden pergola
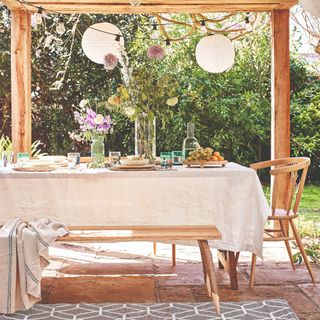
(280, 82)
(21, 52)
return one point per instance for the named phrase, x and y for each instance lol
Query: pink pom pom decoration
(110, 61)
(155, 52)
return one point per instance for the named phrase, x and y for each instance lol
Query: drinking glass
(72, 160)
(114, 157)
(22, 158)
(166, 160)
(177, 157)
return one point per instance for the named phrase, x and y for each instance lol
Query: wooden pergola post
(280, 92)
(21, 80)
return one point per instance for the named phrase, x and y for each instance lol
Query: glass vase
(145, 138)
(97, 152)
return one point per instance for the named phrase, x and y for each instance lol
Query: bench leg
(205, 273)
(208, 268)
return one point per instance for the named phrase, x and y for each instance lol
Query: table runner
(231, 198)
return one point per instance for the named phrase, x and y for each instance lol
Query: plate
(52, 158)
(45, 163)
(205, 164)
(134, 163)
(38, 163)
(34, 169)
(148, 167)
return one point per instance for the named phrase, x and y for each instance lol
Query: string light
(203, 28)
(37, 18)
(155, 33)
(169, 49)
(248, 25)
(60, 28)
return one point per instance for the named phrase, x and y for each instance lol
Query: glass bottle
(190, 143)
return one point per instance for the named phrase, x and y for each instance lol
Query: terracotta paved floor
(126, 272)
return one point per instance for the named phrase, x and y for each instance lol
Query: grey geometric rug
(255, 310)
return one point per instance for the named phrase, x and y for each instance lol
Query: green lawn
(310, 202)
(308, 221)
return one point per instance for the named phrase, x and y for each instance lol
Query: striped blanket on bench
(23, 256)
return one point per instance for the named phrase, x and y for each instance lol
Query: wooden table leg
(229, 259)
(233, 270)
(209, 269)
(205, 273)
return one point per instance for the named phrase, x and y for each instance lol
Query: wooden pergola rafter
(151, 6)
(21, 53)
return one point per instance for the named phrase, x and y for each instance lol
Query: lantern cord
(168, 21)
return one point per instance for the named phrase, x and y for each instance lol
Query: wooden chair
(289, 175)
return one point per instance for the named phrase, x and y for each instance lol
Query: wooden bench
(157, 233)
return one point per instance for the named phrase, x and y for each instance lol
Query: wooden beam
(280, 133)
(21, 80)
(149, 9)
(168, 2)
(153, 6)
(13, 4)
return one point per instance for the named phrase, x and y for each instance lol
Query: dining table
(230, 198)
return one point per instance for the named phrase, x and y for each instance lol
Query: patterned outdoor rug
(262, 310)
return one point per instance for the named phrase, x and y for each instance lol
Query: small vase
(145, 138)
(97, 152)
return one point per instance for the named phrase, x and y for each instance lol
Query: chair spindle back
(289, 176)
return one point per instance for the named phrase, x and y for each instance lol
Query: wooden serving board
(205, 164)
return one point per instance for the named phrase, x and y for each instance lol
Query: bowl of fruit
(205, 157)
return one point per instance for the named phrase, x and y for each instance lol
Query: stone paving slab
(117, 267)
(312, 291)
(98, 289)
(280, 273)
(308, 315)
(176, 294)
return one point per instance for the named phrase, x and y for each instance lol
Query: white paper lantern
(215, 53)
(96, 44)
(311, 6)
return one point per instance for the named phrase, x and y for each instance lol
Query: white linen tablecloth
(231, 198)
